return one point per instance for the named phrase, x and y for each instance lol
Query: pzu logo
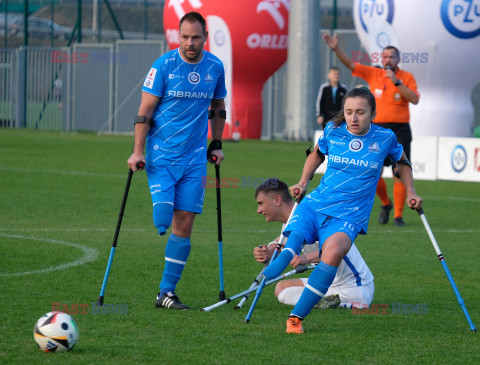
(461, 17)
(370, 10)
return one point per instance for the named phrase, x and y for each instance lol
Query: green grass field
(59, 200)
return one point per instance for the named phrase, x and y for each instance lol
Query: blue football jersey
(354, 163)
(178, 135)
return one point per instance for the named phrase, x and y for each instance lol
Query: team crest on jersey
(355, 145)
(374, 147)
(194, 77)
(396, 96)
(208, 78)
(150, 78)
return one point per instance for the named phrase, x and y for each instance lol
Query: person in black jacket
(330, 96)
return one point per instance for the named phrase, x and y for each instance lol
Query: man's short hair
(393, 48)
(334, 68)
(193, 17)
(275, 186)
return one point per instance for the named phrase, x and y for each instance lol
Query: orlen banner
(251, 39)
(439, 42)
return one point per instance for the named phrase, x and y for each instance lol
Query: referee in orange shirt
(393, 89)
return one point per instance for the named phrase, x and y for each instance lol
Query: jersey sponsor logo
(375, 10)
(149, 80)
(340, 143)
(194, 78)
(461, 18)
(208, 78)
(459, 158)
(173, 76)
(353, 161)
(374, 147)
(355, 145)
(190, 94)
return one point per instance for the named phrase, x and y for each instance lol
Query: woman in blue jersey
(339, 208)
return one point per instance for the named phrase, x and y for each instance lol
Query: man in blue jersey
(339, 208)
(172, 124)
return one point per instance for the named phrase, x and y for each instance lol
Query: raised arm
(332, 43)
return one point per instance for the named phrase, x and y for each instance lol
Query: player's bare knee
(280, 287)
(183, 223)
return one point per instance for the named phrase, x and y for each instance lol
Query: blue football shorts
(317, 226)
(181, 186)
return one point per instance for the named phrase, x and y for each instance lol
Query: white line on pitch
(126, 229)
(90, 254)
(454, 198)
(63, 172)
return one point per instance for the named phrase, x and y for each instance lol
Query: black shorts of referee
(404, 137)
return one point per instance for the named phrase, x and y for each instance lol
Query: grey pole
(303, 68)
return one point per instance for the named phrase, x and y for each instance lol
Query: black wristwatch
(398, 82)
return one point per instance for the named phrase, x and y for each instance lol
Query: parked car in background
(40, 28)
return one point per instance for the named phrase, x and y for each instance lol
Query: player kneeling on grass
(339, 208)
(353, 282)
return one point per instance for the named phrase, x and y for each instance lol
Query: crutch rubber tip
(100, 301)
(202, 310)
(236, 307)
(474, 330)
(222, 295)
(246, 321)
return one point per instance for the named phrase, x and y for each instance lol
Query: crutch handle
(214, 158)
(140, 165)
(413, 202)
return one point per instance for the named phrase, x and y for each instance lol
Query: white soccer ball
(55, 332)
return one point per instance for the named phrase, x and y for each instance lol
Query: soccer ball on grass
(55, 332)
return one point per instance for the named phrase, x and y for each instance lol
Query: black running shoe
(171, 301)
(385, 213)
(398, 221)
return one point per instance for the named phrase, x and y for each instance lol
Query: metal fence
(97, 87)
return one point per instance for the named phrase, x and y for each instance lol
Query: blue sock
(318, 283)
(294, 243)
(176, 254)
